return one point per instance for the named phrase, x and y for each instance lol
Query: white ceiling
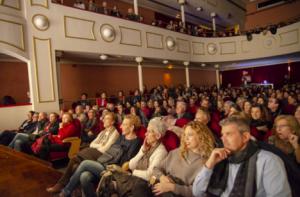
(237, 8)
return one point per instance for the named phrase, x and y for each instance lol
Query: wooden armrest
(125, 166)
(75, 146)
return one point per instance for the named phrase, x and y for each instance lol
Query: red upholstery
(141, 133)
(171, 140)
(214, 123)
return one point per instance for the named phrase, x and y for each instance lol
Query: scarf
(143, 163)
(244, 183)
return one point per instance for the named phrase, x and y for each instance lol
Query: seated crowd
(174, 25)
(196, 141)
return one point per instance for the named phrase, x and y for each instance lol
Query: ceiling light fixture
(103, 57)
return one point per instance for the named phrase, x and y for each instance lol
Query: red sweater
(68, 130)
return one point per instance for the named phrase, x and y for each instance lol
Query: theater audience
(102, 101)
(103, 9)
(241, 168)
(259, 123)
(79, 4)
(28, 127)
(120, 152)
(102, 143)
(51, 127)
(174, 176)
(115, 12)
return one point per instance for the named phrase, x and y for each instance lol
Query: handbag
(112, 155)
(37, 145)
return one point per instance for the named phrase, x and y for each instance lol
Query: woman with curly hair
(286, 136)
(174, 176)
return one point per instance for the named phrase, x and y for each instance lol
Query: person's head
(130, 124)
(42, 116)
(29, 115)
(108, 120)
(292, 99)
(202, 115)
(235, 133)
(273, 104)
(180, 107)
(297, 114)
(120, 93)
(205, 103)
(91, 114)
(84, 96)
(257, 112)
(234, 109)
(78, 109)
(103, 95)
(53, 117)
(67, 118)
(133, 110)
(104, 4)
(197, 138)
(260, 100)
(155, 131)
(120, 108)
(227, 106)
(35, 117)
(110, 106)
(143, 104)
(285, 125)
(247, 107)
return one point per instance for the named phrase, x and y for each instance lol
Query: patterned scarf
(143, 163)
(244, 184)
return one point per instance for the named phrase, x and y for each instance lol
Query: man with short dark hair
(241, 168)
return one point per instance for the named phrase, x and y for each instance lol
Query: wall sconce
(107, 32)
(170, 42)
(211, 48)
(40, 22)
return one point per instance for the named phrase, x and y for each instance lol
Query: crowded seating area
(175, 139)
(175, 24)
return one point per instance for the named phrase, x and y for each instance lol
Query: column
(182, 14)
(213, 17)
(140, 73)
(218, 78)
(136, 7)
(187, 76)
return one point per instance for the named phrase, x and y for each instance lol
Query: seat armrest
(75, 146)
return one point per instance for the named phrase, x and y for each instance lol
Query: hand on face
(217, 155)
(293, 139)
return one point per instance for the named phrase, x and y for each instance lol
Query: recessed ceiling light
(165, 61)
(103, 57)
(203, 65)
(199, 9)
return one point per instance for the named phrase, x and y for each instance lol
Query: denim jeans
(18, 141)
(87, 172)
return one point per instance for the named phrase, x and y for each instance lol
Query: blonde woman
(286, 136)
(175, 174)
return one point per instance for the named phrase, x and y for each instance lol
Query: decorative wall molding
(14, 35)
(43, 65)
(227, 48)
(14, 4)
(71, 25)
(41, 3)
(40, 17)
(212, 48)
(130, 36)
(198, 48)
(154, 40)
(289, 38)
(102, 32)
(183, 46)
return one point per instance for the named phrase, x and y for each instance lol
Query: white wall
(12, 117)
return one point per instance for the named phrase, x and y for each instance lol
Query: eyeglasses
(281, 126)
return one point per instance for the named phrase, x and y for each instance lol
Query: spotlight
(249, 36)
(165, 61)
(273, 29)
